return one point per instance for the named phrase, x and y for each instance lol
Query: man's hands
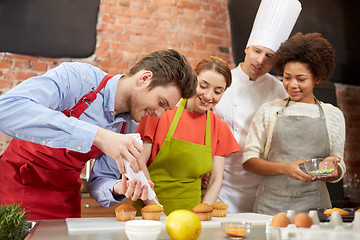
(132, 189)
(119, 147)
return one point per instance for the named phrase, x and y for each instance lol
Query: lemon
(183, 225)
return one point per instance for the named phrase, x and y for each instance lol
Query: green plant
(13, 225)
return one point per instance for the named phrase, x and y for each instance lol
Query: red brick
(107, 36)
(38, 66)
(163, 16)
(136, 12)
(102, 53)
(124, 3)
(22, 64)
(151, 7)
(138, 4)
(123, 19)
(5, 64)
(113, 10)
(200, 46)
(130, 56)
(103, 44)
(109, 19)
(188, 4)
(116, 56)
(112, 27)
(138, 30)
(6, 84)
(164, 2)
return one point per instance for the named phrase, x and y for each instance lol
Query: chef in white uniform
(252, 86)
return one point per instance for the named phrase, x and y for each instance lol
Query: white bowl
(143, 224)
(142, 229)
(142, 235)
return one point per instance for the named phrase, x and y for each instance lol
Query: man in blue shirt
(73, 113)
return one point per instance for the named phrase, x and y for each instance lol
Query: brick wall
(129, 29)
(348, 98)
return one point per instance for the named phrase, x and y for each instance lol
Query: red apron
(46, 180)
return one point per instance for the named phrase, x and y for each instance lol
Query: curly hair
(311, 49)
(218, 65)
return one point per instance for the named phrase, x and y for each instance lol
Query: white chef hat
(274, 22)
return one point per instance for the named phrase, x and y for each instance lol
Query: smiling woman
(285, 133)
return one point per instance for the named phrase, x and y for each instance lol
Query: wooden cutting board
(110, 223)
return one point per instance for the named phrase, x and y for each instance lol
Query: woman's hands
(333, 176)
(292, 169)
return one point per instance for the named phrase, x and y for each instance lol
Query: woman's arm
(266, 168)
(215, 180)
(145, 155)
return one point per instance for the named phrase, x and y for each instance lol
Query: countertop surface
(77, 228)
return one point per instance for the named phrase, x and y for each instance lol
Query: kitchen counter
(57, 229)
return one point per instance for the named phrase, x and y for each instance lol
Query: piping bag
(131, 175)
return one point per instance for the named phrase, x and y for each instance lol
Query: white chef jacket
(237, 107)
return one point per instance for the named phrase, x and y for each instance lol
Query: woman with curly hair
(285, 133)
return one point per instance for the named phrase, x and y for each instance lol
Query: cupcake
(343, 212)
(203, 211)
(220, 209)
(125, 212)
(152, 212)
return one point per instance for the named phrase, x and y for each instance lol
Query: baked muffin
(152, 212)
(203, 211)
(220, 209)
(125, 212)
(343, 212)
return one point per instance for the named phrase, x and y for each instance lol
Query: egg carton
(333, 230)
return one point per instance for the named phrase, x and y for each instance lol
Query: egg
(302, 220)
(280, 220)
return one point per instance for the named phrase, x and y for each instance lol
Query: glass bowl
(319, 167)
(236, 230)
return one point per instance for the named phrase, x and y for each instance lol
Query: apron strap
(176, 119)
(85, 101)
(208, 130)
(321, 111)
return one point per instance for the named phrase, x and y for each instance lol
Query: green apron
(178, 167)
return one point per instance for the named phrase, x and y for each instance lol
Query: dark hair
(168, 67)
(311, 49)
(217, 64)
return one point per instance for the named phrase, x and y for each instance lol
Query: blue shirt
(32, 110)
